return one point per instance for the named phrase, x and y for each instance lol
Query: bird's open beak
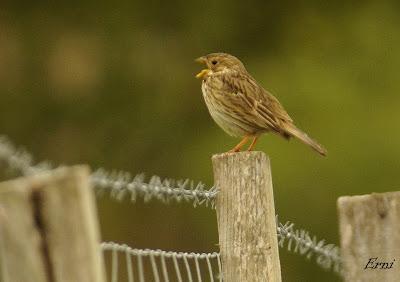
(204, 72)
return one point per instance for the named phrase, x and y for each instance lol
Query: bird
(241, 106)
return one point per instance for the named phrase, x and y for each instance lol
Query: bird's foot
(234, 150)
(239, 146)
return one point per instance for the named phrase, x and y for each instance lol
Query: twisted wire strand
(120, 185)
(112, 246)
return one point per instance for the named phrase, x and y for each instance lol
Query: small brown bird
(241, 107)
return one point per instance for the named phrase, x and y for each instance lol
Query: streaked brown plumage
(240, 106)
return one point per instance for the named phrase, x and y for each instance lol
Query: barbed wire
(19, 160)
(212, 261)
(120, 185)
(300, 241)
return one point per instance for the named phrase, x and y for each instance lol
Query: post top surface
(22, 183)
(241, 155)
(343, 200)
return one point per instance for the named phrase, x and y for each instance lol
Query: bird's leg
(240, 145)
(253, 143)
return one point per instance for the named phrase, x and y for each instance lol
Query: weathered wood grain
(369, 229)
(246, 217)
(48, 228)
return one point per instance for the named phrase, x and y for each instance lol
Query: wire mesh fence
(163, 265)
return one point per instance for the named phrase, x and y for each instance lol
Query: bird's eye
(214, 62)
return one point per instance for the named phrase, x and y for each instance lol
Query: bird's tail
(294, 131)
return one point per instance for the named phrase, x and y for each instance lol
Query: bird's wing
(256, 100)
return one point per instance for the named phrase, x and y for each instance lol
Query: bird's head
(217, 62)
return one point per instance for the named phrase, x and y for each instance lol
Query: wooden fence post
(48, 228)
(246, 217)
(370, 237)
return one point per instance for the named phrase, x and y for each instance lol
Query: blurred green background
(111, 84)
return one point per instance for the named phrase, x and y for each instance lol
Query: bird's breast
(211, 92)
(211, 86)
(213, 95)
